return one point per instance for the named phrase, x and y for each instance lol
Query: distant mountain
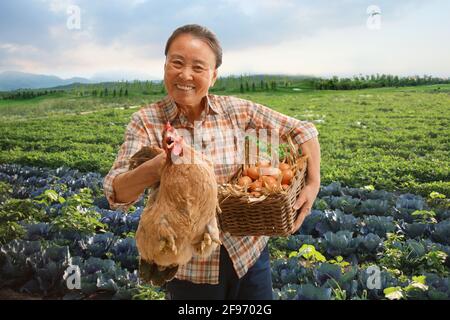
(123, 75)
(12, 80)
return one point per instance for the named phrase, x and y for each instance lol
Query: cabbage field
(379, 229)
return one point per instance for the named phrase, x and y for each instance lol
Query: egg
(287, 176)
(255, 186)
(253, 173)
(244, 172)
(244, 181)
(270, 182)
(284, 166)
(285, 186)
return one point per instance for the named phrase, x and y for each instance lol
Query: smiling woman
(240, 267)
(189, 72)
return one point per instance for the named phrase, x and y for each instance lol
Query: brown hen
(179, 220)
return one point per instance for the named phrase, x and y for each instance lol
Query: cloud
(399, 47)
(131, 35)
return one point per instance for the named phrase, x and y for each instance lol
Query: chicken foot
(167, 237)
(210, 239)
(143, 155)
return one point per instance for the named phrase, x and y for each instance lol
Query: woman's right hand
(129, 185)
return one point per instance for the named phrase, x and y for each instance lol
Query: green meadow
(395, 139)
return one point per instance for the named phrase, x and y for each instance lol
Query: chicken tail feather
(150, 272)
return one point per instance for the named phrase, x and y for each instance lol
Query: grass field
(391, 138)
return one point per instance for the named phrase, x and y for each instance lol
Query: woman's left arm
(311, 148)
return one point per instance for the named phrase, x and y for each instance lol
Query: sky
(125, 39)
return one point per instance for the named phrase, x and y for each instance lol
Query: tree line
(374, 81)
(24, 95)
(232, 84)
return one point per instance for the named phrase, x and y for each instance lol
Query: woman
(241, 268)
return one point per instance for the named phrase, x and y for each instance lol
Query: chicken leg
(210, 239)
(167, 237)
(146, 153)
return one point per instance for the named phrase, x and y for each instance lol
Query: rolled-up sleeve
(134, 139)
(260, 116)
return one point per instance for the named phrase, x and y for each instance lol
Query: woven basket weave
(269, 215)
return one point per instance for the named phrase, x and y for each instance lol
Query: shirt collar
(211, 105)
(172, 112)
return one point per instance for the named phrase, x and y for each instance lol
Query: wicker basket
(270, 214)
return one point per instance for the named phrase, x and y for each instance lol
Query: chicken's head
(172, 142)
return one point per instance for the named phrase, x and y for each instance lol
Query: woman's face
(189, 70)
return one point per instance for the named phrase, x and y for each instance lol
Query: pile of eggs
(262, 175)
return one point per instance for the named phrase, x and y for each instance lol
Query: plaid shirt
(218, 123)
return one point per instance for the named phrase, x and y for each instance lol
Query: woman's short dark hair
(202, 33)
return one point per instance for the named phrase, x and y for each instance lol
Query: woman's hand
(154, 166)
(129, 185)
(304, 203)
